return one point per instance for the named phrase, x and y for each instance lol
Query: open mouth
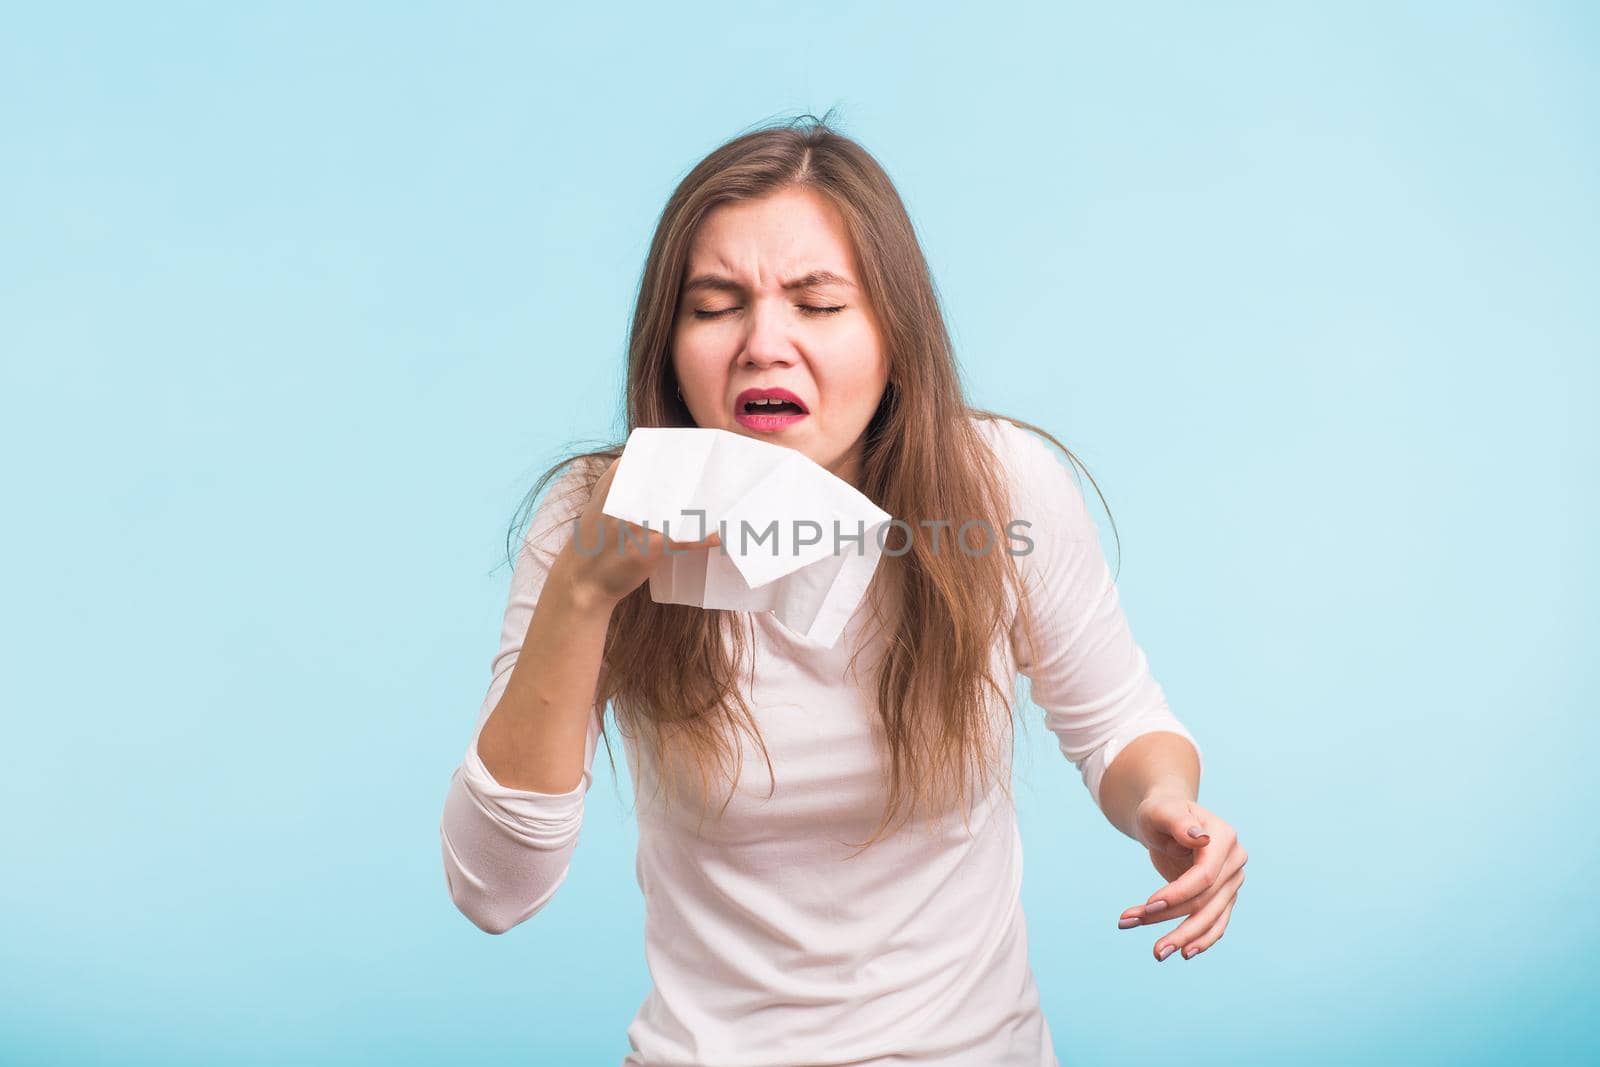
(773, 407)
(768, 410)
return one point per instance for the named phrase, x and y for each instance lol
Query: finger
(680, 547)
(1187, 825)
(1168, 847)
(1166, 830)
(1177, 896)
(1209, 861)
(1199, 922)
(1144, 915)
(1171, 903)
(1212, 935)
(713, 538)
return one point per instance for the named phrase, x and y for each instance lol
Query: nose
(768, 343)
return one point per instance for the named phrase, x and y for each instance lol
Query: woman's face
(771, 301)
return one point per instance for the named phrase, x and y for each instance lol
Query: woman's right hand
(612, 563)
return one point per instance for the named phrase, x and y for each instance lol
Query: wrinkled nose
(768, 343)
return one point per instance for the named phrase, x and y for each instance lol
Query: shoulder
(1023, 454)
(562, 494)
(561, 500)
(1040, 477)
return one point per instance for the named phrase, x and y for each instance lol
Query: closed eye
(809, 309)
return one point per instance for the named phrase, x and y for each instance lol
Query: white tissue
(811, 588)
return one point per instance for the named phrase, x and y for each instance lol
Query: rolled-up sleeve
(1087, 674)
(506, 851)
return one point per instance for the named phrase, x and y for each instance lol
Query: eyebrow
(722, 283)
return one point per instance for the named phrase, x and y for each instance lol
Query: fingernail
(1190, 953)
(1166, 952)
(1195, 831)
(1154, 906)
(1123, 924)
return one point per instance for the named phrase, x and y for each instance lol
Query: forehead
(785, 233)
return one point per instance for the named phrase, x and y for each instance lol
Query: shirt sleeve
(1088, 674)
(506, 851)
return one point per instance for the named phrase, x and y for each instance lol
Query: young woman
(828, 848)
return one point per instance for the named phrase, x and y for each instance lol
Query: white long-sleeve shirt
(766, 945)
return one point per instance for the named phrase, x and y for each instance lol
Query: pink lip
(767, 423)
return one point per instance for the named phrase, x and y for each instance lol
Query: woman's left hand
(1203, 872)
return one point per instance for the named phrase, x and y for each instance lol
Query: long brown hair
(673, 672)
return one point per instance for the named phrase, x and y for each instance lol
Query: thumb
(1177, 826)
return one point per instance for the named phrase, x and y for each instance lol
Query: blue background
(295, 301)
